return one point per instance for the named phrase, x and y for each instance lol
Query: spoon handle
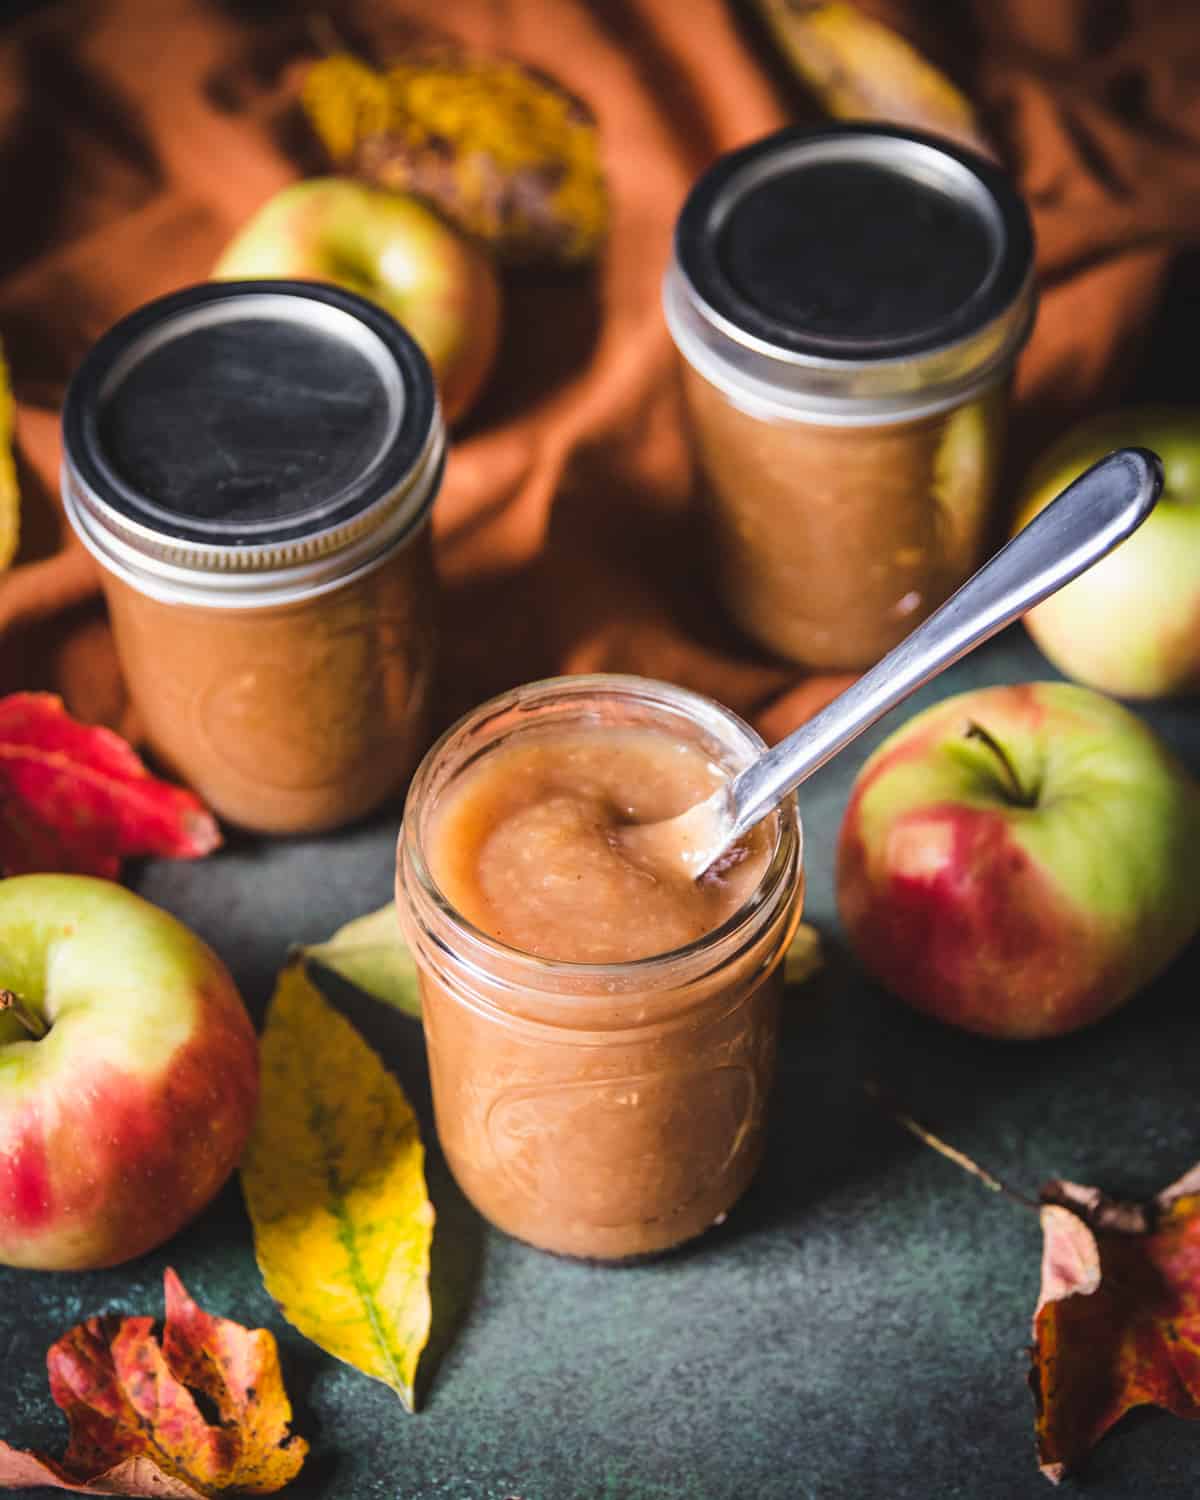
(1077, 529)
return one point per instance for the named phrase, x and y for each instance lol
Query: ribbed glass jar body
(288, 718)
(829, 544)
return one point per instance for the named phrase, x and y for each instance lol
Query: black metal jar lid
(251, 442)
(854, 273)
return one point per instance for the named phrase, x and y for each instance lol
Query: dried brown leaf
(505, 153)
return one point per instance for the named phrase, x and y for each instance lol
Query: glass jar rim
(672, 969)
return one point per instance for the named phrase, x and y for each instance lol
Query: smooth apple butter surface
(601, 1038)
(527, 848)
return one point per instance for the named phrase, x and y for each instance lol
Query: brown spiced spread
(829, 544)
(527, 848)
(618, 1108)
(299, 717)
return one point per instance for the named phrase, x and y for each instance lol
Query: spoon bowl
(1091, 517)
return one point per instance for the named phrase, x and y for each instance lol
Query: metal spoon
(1075, 530)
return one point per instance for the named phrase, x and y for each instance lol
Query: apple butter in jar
(253, 464)
(848, 304)
(601, 1035)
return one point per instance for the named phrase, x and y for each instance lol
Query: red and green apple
(392, 249)
(1020, 860)
(128, 1073)
(1131, 624)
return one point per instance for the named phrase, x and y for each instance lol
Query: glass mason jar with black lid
(253, 465)
(848, 304)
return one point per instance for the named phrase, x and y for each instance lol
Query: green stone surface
(859, 1325)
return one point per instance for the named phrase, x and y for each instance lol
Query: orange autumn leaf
(1117, 1324)
(136, 1427)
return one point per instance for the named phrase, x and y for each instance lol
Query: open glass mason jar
(599, 1110)
(848, 304)
(253, 465)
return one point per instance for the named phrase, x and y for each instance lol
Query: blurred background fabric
(137, 135)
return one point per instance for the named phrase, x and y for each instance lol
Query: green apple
(128, 1073)
(392, 249)
(1131, 624)
(1020, 860)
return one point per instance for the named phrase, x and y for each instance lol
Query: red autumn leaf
(1117, 1324)
(75, 798)
(136, 1428)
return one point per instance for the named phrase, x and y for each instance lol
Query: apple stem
(28, 1018)
(951, 1153)
(1016, 791)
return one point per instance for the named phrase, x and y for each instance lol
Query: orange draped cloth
(137, 135)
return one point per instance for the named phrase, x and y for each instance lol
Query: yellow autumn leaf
(334, 1180)
(858, 68)
(371, 955)
(968, 451)
(804, 956)
(10, 500)
(503, 151)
